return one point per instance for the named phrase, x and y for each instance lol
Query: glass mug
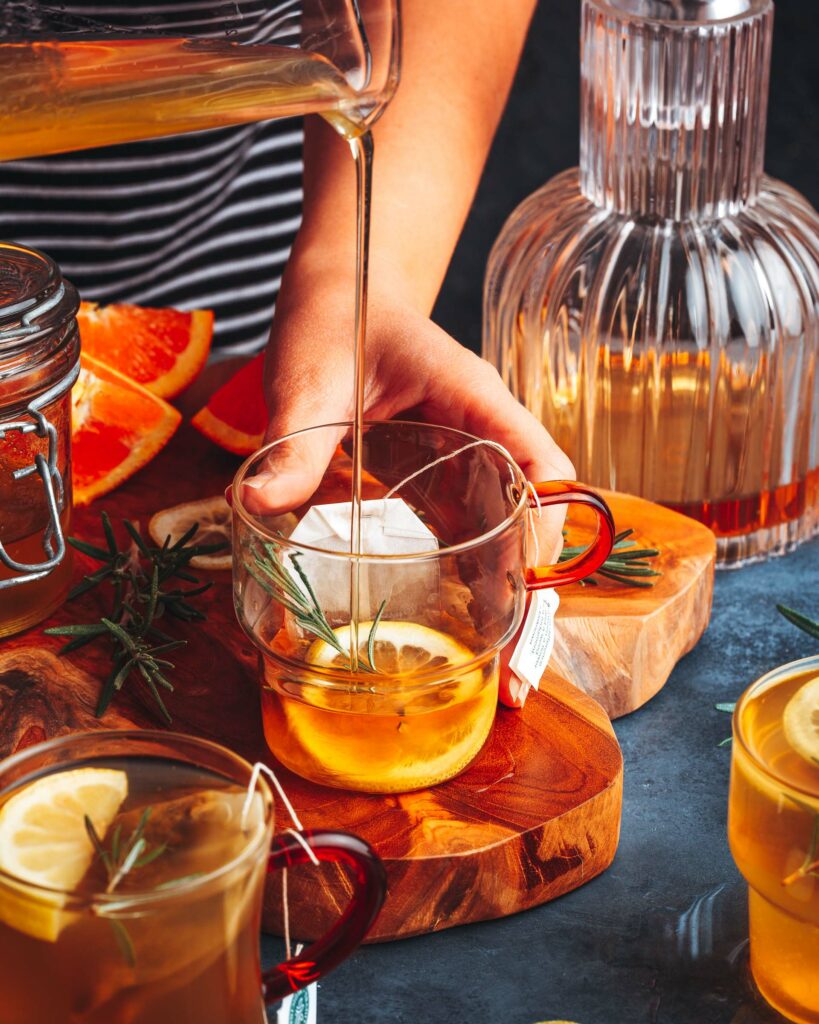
(176, 936)
(441, 588)
(773, 828)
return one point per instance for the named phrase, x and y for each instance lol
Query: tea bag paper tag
(301, 1007)
(534, 647)
(388, 527)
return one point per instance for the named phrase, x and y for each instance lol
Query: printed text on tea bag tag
(534, 648)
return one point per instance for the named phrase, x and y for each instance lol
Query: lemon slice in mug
(43, 841)
(800, 721)
(400, 648)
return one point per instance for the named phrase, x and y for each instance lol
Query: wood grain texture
(619, 644)
(536, 815)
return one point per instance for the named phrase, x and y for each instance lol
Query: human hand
(413, 369)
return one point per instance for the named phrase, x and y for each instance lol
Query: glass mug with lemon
(773, 826)
(403, 694)
(132, 866)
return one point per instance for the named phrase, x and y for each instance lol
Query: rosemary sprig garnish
(124, 856)
(120, 860)
(268, 570)
(810, 865)
(809, 626)
(626, 564)
(144, 585)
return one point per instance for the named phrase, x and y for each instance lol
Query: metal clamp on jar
(39, 363)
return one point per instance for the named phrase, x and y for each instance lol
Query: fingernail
(260, 481)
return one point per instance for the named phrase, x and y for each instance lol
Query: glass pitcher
(73, 79)
(658, 307)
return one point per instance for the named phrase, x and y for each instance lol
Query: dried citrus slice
(214, 518)
(161, 349)
(235, 418)
(43, 841)
(215, 527)
(800, 721)
(118, 427)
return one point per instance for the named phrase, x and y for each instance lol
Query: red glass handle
(369, 891)
(565, 492)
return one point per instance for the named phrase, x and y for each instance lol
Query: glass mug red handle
(369, 890)
(565, 492)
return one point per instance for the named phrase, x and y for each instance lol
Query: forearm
(459, 59)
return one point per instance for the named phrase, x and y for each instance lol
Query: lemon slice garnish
(43, 841)
(801, 721)
(400, 648)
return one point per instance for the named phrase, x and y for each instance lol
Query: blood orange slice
(118, 427)
(236, 416)
(162, 349)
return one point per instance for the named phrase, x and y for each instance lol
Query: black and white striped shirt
(203, 220)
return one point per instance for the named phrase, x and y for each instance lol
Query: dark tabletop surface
(660, 938)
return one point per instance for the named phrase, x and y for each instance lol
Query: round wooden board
(536, 815)
(619, 644)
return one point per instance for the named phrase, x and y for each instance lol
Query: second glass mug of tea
(149, 911)
(773, 829)
(441, 587)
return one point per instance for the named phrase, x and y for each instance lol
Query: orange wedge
(236, 416)
(162, 349)
(118, 427)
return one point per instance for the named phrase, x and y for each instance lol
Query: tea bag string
(530, 487)
(259, 769)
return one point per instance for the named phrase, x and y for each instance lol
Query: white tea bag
(388, 527)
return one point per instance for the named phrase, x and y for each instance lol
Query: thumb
(299, 407)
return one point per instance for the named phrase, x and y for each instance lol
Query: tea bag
(388, 527)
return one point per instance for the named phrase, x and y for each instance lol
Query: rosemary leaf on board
(144, 589)
(627, 564)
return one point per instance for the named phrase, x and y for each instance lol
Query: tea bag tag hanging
(388, 527)
(537, 639)
(301, 1007)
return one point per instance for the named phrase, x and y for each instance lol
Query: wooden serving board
(619, 644)
(536, 815)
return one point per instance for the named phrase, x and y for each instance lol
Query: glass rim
(785, 671)
(755, 9)
(252, 522)
(68, 899)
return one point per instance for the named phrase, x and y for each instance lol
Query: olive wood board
(535, 815)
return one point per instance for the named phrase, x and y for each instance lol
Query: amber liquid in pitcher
(63, 96)
(719, 466)
(189, 956)
(771, 829)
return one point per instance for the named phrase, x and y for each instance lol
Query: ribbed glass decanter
(658, 307)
